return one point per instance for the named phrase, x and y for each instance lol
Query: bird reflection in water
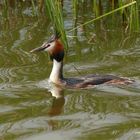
(58, 100)
(57, 105)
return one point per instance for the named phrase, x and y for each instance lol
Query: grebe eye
(48, 45)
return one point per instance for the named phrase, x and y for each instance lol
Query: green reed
(55, 12)
(75, 14)
(5, 9)
(134, 18)
(129, 10)
(34, 8)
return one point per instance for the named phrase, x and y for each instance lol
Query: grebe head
(54, 47)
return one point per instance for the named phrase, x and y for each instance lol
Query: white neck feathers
(56, 74)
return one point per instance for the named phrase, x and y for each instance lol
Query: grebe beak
(50, 43)
(43, 47)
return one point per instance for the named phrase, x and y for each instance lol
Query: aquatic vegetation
(125, 11)
(103, 37)
(132, 18)
(54, 10)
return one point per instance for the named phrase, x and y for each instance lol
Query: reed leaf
(104, 15)
(34, 8)
(55, 13)
(75, 14)
(5, 9)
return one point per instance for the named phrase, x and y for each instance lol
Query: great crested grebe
(56, 51)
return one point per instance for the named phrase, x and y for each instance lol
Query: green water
(31, 110)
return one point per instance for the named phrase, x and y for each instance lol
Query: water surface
(32, 110)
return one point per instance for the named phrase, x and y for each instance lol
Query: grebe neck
(56, 75)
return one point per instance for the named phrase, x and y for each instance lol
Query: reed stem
(104, 15)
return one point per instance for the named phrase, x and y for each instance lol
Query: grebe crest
(56, 51)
